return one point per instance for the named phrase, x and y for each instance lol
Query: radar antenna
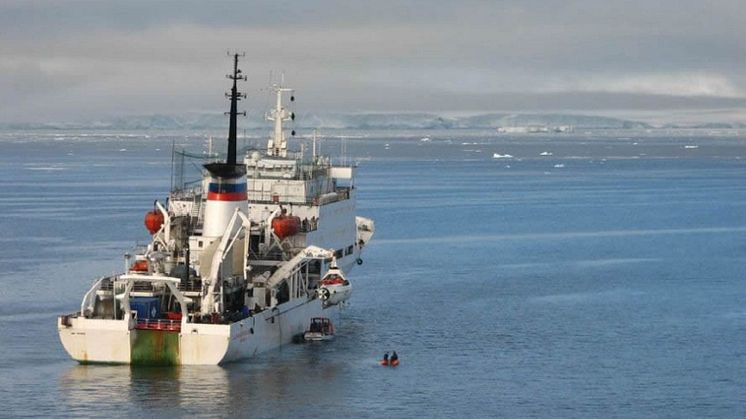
(277, 145)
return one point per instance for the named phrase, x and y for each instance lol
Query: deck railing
(159, 324)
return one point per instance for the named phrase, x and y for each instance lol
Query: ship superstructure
(235, 265)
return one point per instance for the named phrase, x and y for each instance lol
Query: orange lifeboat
(139, 266)
(153, 221)
(285, 225)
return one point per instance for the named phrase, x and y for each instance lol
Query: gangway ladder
(196, 213)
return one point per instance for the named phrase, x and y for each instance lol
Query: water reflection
(282, 382)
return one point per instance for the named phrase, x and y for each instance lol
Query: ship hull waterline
(102, 341)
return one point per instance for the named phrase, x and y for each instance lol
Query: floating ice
(501, 156)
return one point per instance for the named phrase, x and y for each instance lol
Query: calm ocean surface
(604, 280)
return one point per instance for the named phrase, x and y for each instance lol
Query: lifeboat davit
(334, 288)
(285, 225)
(153, 221)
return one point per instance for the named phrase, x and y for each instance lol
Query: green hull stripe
(155, 347)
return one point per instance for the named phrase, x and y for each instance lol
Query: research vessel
(236, 264)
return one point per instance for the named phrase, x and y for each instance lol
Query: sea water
(595, 274)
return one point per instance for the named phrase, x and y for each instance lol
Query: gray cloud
(78, 60)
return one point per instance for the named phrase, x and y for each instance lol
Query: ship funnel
(226, 182)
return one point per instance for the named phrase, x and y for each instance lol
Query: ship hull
(119, 342)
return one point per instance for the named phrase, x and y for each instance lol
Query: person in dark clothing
(394, 357)
(386, 357)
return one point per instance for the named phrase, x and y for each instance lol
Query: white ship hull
(119, 342)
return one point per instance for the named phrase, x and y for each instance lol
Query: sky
(77, 61)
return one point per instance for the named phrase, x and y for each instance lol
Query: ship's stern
(95, 340)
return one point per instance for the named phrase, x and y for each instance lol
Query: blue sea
(592, 274)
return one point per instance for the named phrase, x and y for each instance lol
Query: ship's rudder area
(155, 347)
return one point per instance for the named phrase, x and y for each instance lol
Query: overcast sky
(84, 60)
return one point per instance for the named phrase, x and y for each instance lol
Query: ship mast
(235, 96)
(277, 145)
(230, 169)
